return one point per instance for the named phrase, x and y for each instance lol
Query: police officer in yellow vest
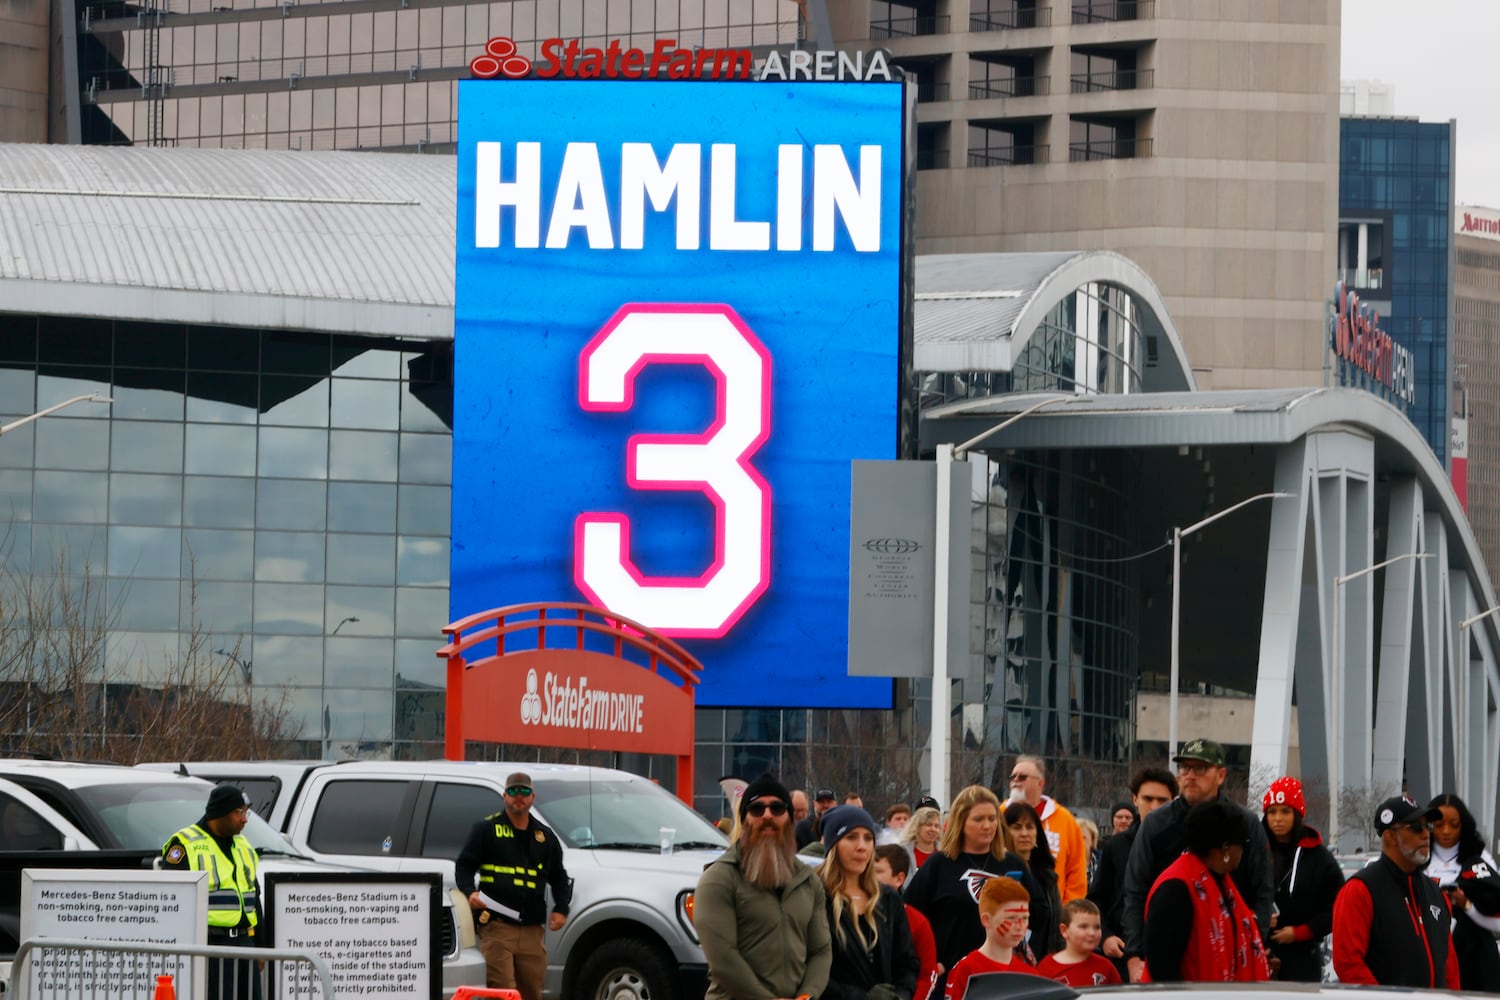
(516, 859)
(215, 844)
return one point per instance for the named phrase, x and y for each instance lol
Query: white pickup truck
(629, 935)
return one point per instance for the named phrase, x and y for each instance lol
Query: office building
(1476, 353)
(1395, 247)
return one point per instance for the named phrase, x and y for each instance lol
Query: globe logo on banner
(679, 319)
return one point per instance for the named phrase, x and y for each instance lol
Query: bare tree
(57, 698)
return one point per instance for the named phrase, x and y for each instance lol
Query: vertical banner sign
(679, 319)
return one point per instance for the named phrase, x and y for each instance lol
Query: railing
(910, 27)
(931, 90)
(1367, 278)
(1105, 11)
(932, 159)
(1009, 156)
(1007, 20)
(1018, 86)
(1125, 79)
(64, 968)
(1109, 149)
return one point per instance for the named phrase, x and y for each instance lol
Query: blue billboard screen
(678, 320)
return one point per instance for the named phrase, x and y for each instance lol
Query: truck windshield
(621, 814)
(142, 816)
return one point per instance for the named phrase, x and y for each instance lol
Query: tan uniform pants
(515, 957)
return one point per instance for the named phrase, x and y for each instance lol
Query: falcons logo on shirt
(975, 878)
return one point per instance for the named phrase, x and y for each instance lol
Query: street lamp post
(92, 397)
(1178, 534)
(942, 691)
(1462, 757)
(1335, 692)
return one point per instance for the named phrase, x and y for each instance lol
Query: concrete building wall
(1476, 347)
(1233, 206)
(23, 70)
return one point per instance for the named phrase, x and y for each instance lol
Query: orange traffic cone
(164, 989)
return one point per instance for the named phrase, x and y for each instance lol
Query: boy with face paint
(1005, 912)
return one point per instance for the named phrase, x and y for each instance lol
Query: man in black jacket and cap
(1161, 838)
(1391, 923)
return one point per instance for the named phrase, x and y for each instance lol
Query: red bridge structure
(572, 676)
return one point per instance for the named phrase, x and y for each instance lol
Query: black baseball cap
(824, 793)
(927, 801)
(1398, 809)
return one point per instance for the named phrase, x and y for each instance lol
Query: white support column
(1363, 263)
(1404, 533)
(1280, 614)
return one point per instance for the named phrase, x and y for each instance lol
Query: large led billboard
(679, 319)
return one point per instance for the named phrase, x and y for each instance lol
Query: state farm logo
(500, 59)
(531, 702)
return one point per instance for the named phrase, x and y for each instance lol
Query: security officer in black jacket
(516, 858)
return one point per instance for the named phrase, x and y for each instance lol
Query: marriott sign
(1473, 221)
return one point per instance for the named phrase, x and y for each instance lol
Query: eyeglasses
(775, 807)
(1417, 826)
(518, 791)
(1194, 767)
(1022, 777)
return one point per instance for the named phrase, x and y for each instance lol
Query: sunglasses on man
(775, 807)
(518, 791)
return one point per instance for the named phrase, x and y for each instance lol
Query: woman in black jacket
(1307, 878)
(1046, 906)
(1467, 874)
(873, 954)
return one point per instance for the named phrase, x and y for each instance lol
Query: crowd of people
(1188, 886)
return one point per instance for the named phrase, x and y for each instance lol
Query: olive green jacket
(761, 945)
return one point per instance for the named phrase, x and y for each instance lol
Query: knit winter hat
(840, 821)
(223, 800)
(765, 785)
(1285, 791)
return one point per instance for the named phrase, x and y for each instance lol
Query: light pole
(92, 397)
(1462, 757)
(1335, 692)
(341, 624)
(244, 665)
(942, 690)
(1178, 534)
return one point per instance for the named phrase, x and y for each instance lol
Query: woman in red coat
(1198, 928)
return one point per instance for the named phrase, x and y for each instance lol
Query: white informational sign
(1472, 220)
(377, 931)
(105, 904)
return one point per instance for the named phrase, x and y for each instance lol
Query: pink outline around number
(633, 444)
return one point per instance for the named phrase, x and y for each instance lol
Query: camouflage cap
(1205, 750)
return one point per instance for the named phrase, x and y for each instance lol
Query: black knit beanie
(765, 785)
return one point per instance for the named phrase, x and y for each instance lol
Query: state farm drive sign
(576, 699)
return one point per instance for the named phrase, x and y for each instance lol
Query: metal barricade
(69, 969)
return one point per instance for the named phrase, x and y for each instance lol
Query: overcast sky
(1440, 56)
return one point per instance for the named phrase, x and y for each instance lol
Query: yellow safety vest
(233, 892)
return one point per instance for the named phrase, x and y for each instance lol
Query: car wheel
(625, 969)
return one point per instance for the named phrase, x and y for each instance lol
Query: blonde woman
(975, 847)
(873, 954)
(921, 835)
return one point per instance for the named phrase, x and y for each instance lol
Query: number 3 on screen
(715, 463)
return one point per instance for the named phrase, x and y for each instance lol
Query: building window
(1105, 139)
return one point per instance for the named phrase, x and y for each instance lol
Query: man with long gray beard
(759, 911)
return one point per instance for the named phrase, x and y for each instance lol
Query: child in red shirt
(1005, 912)
(1078, 964)
(892, 866)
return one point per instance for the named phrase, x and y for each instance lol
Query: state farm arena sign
(571, 59)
